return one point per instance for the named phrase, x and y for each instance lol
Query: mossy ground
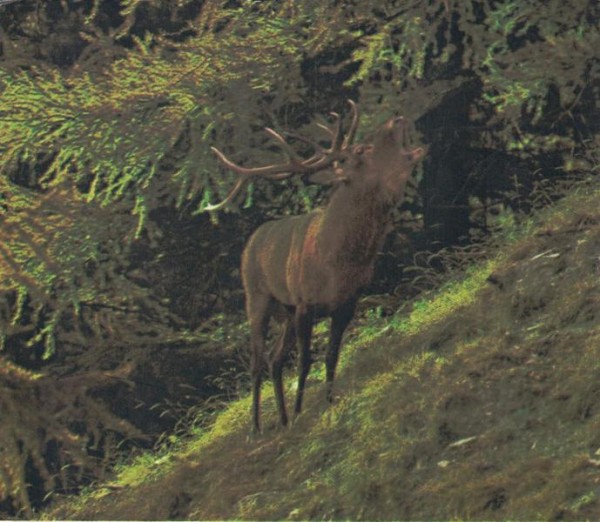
(483, 402)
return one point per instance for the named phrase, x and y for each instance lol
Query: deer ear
(417, 154)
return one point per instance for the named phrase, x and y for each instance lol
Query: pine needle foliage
(536, 62)
(130, 137)
(28, 432)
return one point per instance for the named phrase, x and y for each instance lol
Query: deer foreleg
(259, 314)
(304, 323)
(339, 321)
(286, 341)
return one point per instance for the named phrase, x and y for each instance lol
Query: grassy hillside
(482, 402)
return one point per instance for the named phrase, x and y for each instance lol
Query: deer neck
(353, 227)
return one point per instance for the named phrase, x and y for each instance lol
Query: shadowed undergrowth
(481, 402)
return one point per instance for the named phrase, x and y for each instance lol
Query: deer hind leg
(259, 313)
(339, 321)
(304, 322)
(284, 344)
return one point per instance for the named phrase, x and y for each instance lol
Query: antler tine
(337, 140)
(308, 141)
(269, 171)
(405, 138)
(296, 160)
(353, 126)
(241, 183)
(334, 133)
(325, 128)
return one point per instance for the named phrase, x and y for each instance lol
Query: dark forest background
(121, 310)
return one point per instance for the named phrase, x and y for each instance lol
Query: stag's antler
(317, 162)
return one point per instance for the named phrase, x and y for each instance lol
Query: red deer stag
(301, 267)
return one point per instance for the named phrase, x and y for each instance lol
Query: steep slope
(482, 403)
